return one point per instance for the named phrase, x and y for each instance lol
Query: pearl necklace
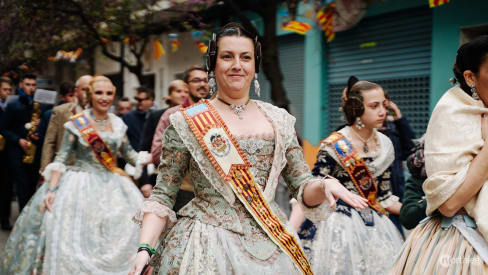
(237, 109)
(99, 122)
(365, 142)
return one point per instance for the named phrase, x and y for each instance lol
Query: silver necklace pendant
(365, 148)
(238, 109)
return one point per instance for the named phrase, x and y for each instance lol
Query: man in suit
(178, 92)
(135, 119)
(6, 184)
(60, 115)
(16, 123)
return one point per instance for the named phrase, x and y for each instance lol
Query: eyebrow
(230, 51)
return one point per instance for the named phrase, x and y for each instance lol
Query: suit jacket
(17, 113)
(55, 131)
(149, 129)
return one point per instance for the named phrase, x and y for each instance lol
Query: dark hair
(352, 100)
(186, 76)
(124, 99)
(149, 92)
(66, 88)
(232, 29)
(470, 56)
(28, 76)
(7, 80)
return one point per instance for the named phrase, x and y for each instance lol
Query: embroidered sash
(97, 144)
(233, 166)
(356, 168)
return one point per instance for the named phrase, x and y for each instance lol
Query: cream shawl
(452, 141)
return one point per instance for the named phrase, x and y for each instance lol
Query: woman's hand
(335, 190)
(484, 127)
(49, 200)
(142, 259)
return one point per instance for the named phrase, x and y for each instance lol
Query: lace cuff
(136, 171)
(316, 213)
(156, 208)
(53, 166)
(389, 202)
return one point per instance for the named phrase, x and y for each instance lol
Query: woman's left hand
(335, 190)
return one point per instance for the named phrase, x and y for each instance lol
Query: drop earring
(474, 93)
(359, 123)
(211, 83)
(257, 89)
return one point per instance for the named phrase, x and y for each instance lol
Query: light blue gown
(89, 230)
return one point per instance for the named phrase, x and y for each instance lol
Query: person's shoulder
(171, 110)
(156, 114)
(275, 112)
(63, 107)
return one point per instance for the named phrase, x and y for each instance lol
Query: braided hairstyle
(470, 56)
(352, 100)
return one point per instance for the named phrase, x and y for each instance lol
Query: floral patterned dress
(353, 241)
(89, 230)
(213, 235)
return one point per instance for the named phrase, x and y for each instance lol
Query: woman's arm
(315, 190)
(475, 177)
(53, 171)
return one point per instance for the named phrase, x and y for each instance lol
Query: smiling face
(374, 102)
(102, 96)
(234, 69)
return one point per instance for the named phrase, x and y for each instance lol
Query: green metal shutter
(393, 50)
(291, 52)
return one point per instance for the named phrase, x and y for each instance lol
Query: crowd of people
(190, 189)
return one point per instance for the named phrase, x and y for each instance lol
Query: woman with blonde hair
(79, 222)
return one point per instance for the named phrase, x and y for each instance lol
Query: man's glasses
(198, 80)
(138, 99)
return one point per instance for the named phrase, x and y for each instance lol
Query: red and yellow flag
(202, 47)
(158, 49)
(297, 26)
(435, 3)
(325, 18)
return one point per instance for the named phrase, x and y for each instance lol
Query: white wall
(164, 69)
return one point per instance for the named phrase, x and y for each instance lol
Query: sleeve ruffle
(136, 172)
(53, 166)
(390, 201)
(317, 213)
(156, 208)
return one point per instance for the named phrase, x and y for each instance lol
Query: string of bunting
(436, 3)
(158, 49)
(297, 27)
(325, 18)
(70, 56)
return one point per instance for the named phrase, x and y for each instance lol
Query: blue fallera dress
(89, 230)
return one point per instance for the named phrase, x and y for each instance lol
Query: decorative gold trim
(244, 186)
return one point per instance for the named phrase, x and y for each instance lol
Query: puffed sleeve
(385, 196)
(128, 153)
(62, 157)
(297, 175)
(175, 159)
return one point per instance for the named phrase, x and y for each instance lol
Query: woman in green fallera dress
(218, 232)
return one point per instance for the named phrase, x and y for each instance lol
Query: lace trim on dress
(264, 136)
(53, 166)
(318, 213)
(156, 208)
(390, 201)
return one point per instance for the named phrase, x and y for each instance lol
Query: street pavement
(4, 234)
